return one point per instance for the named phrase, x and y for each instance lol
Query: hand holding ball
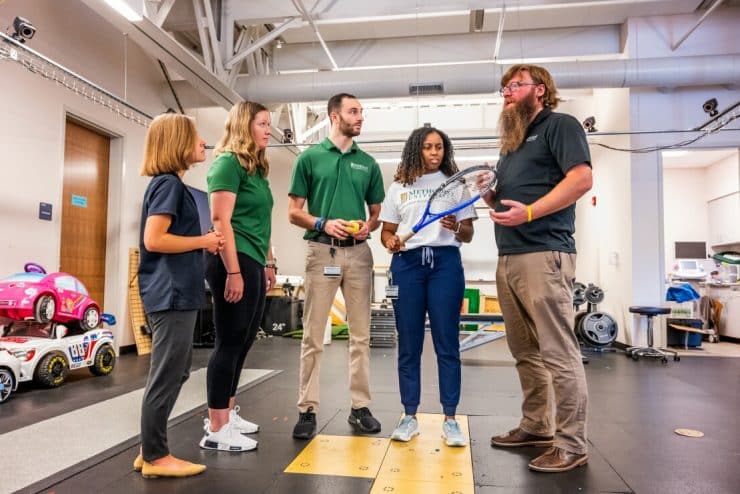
(353, 226)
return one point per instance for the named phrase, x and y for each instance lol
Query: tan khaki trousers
(355, 281)
(536, 295)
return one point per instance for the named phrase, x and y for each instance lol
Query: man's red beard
(514, 121)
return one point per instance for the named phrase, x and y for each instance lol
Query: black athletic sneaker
(363, 420)
(305, 428)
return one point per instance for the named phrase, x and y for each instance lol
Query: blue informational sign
(80, 201)
(45, 211)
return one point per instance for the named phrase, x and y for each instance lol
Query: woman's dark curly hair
(411, 166)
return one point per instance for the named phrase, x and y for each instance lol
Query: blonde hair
(169, 146)
(539, 75)
(238, 138)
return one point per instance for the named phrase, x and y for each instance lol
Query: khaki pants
(535, 292)
(356, 263)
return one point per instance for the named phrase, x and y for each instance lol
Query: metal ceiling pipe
(485, 78)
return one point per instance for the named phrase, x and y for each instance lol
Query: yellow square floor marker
(426, 464)
(345, 456)
(399, 486)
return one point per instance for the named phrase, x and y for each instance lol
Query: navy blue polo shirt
(555, 142)
(171, 281)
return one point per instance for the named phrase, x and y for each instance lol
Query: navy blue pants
(430, 281)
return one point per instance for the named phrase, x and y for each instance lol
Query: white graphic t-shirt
(404, 205)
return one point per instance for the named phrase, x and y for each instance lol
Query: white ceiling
(364, 20)
(696, 158)
(423, 40)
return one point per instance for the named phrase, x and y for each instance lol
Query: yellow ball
(354, 226)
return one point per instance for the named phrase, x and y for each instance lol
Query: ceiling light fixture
(123, 8)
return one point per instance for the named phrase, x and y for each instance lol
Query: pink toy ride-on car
(58, 297)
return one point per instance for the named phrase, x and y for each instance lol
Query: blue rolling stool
(648, 351)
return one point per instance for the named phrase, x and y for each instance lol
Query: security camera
(23, 29)
(590, 124)
(710, 106)
(287, 136)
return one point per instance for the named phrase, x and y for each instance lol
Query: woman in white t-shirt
(429, 275)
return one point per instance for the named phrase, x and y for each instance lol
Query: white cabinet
(724, 220)
(729, 324)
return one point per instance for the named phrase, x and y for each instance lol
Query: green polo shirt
(555, 142)
(336, 185)
(252, 216)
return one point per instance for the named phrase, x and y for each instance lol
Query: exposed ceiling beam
(675, 45)
(162, 46)
(499, 32)
(163, 12)
(302, 9)
(289, 23)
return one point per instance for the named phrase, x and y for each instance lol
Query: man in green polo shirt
(338, 180)
(545, 167)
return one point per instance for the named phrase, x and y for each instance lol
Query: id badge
(332, 271)
(391, 291)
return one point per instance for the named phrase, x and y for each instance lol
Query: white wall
(667, 109)
(723, 177)
(32, 139)
(684, 209)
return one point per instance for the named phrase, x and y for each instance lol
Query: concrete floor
(634, 408)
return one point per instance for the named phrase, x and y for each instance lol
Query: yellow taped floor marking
(423, 465)
(341, 455)
(426, 464)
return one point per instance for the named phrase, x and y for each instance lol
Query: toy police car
(48, 351)
(10, 369)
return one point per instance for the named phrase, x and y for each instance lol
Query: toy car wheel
(7, 383)
(45, 308)
(52, 370)
(91, 318)
(105, 360)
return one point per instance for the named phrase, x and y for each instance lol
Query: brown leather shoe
(517, 437)
(149, 471)
(557, 460)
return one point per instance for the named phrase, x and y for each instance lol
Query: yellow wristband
(529, 213)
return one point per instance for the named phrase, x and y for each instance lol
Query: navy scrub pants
(430, 280)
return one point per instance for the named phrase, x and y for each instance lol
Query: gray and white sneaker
(452, 434)
(243, 426)
(407, 428)
(227, 439)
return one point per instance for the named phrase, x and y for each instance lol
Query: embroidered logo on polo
(532, 138)
(358, 166)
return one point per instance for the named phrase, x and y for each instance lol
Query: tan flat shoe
(138, 463)
(149, 471)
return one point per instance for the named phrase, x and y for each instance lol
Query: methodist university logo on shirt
(358, 166)
(415, 195)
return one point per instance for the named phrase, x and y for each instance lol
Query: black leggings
(236, 326)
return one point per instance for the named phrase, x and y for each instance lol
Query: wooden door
(85, 207)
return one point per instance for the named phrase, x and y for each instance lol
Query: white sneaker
(227, 439)
(452, 434)
(406, 429)
(243, 426)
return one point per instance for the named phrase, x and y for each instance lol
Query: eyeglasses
(513, 87)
